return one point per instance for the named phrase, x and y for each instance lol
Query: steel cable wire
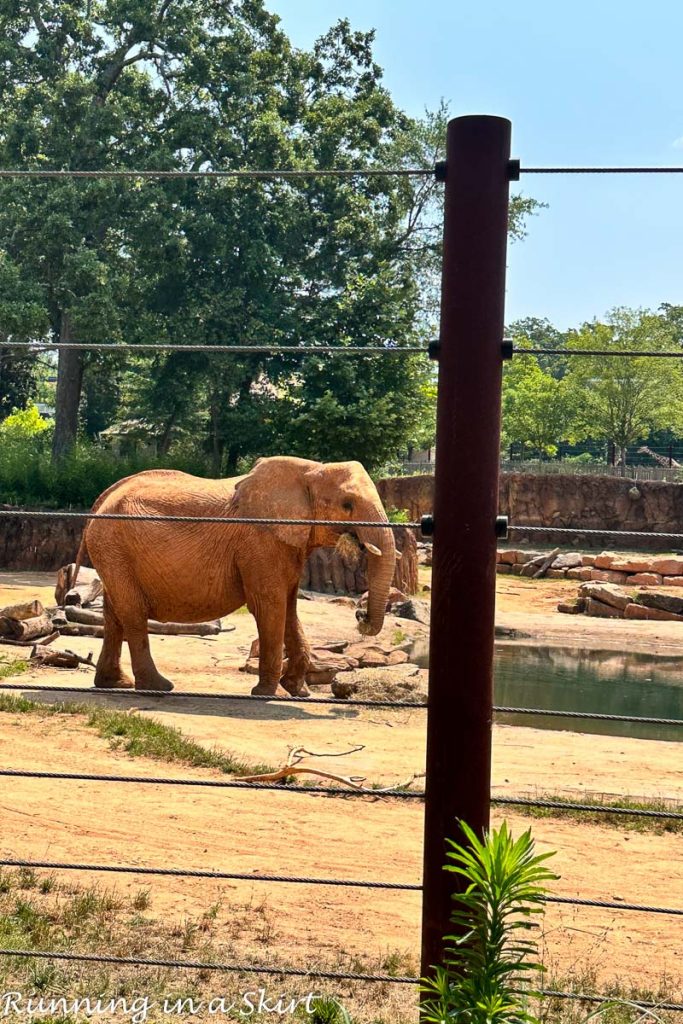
(585, 997)
(206, 965)
(591, 532)
(636, 812)
(20, 513)
(237, 876)
(601, 170)
(299, 350)
(324, 701)
(405, 794)
(339, 702)
(302, 880)
(622, 354)
(265, 175)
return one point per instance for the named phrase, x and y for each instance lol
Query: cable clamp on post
(434, 349)
(507, 349)
(502, 527)
(440, 170)
(514, 170)
(427, 526)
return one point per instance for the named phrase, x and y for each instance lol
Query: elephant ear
(276, 489)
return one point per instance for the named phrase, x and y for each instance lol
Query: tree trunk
(166, 437)
(69, 386)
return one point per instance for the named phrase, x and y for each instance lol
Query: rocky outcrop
(570, 501)
(328, 571)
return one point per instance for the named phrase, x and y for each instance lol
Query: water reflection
(576, 679)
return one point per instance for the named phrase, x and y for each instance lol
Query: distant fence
(671, 474)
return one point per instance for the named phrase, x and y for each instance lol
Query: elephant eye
(347, 506)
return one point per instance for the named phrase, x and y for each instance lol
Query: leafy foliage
(199, 84)
(538, 409)
(480, 979)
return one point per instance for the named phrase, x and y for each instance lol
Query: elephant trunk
(380, 573)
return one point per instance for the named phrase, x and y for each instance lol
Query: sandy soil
(320, 836)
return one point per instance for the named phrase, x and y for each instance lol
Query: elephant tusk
(399, 554)
(372, 549)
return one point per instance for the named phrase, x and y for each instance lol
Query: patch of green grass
(145, 737)
(398, 637)
(11, 667)
(631, 823)
(138, 736)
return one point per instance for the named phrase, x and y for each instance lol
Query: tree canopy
(201, 85)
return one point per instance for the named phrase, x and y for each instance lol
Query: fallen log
(530, 567)
(545, 564)
(42, 642)
(60, 659)
(26, 629)
(90, 617)
(78, 629)
(19, 612)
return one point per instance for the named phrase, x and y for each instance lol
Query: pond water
(598, 681)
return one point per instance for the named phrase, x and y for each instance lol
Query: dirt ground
(372, 839)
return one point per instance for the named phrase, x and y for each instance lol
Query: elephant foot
(113, 682)
(295, 687)
(268, 690)
(158, 683)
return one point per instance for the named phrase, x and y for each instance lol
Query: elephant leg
(109, 672)
(297, 650)
(134, 624)
(270, 622)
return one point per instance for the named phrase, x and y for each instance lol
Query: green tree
(538, 410)
(200, 84)
(622, 399)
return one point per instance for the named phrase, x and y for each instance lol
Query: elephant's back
(166, 492)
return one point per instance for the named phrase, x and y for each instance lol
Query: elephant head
(291, 488)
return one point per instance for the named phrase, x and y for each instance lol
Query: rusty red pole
(465, 504)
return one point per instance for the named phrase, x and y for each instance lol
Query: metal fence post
(465, 504)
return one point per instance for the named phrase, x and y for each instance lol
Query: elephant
(189, 572)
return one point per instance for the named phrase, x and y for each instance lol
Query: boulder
(503, 569)
(579, 573)
(631, 564)
(607, 576)
(649, 579)
(672, 581)
(397, 657)
(507, 557)
(588, 560)
(569, 560)
(639, 611)
(576, 607)
(600, 610)
(418, 611)
(672, 566)
(664, 602)
(516, 570)
(556, 574)
(604, 559)
(607, 593)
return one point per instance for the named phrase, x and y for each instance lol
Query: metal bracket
(514, 170)
(502, 523)
(507, 349)
(434, 349)
(440, 170)
(427, 526)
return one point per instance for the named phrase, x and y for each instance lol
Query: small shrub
(481, 979)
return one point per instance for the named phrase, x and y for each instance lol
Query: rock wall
(41, 545)
(571, 501)
(44, 545)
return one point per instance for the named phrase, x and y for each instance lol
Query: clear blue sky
(583, 83)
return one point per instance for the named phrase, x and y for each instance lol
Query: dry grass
(91, 920)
